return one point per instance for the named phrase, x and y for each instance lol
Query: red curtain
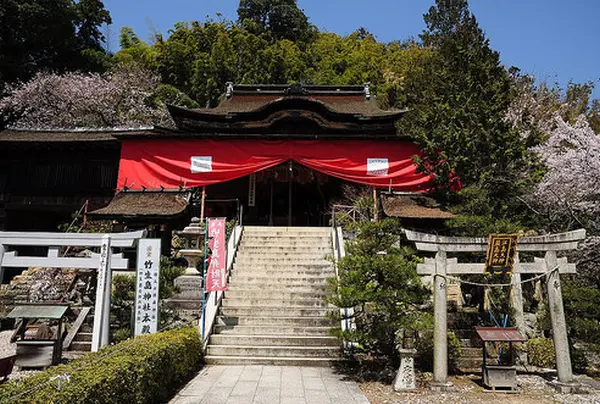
(189, 163)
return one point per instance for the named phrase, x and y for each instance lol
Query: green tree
(458, 101)
(278, 19)
(378, 278)
(57, 35)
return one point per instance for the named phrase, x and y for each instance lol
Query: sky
(556, 40)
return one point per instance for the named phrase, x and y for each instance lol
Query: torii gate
(550, 265)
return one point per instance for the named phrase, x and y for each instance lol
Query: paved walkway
(269, 385)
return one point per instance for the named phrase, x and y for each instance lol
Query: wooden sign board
(501, 252)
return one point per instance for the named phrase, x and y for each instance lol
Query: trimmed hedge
(146, 369)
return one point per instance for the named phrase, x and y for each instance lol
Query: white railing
(214, 299)
(339, 252)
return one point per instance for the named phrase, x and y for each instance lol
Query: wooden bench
(6, 367)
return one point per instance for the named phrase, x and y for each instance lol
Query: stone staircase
(274, 312)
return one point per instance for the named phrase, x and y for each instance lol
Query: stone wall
(51, 285)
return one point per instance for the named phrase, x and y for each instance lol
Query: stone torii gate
(441, 266)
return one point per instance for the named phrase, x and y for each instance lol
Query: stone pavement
(269, 385)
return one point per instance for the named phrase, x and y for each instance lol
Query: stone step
(245, 276)
(274, 351)
(274, 340)
(289, 247)
(291, 266)
(319, 288)
(281, 258)
(282, 302)
(241, 311)
(268, 361)
(286, 229)
(279, 321)
(467, 352)
(295, 244)
(84, 346)
(469, 363)
(83, 337)
(274, 330)
(252, 294)
(279, 281)
(326, 273)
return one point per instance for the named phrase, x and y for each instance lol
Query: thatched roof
(413, 207)
(143, 204)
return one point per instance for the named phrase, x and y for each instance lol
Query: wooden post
(375, 213)
(203, 202)
(559, 325)
(440, 331)
(98, 338)
(1, 257)
(107, 295)
(516, 297)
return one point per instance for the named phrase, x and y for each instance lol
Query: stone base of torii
(441, 267)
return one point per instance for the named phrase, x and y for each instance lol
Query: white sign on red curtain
(146, 297)
(216, 273)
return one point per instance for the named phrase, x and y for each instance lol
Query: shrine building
(267, 154)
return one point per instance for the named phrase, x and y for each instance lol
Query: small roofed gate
(550, 267)
(104, 261)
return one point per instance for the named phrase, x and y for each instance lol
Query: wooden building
(274, 154)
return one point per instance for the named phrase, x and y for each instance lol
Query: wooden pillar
(559, 325)
(1, 258)
(516, 297)
(202, 205)
(271, 203)
(375, 213)
(440, 331)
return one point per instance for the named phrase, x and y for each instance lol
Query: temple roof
(290, 110)
(413, 207)
(148, 204)
(253, 111)
(74, 135)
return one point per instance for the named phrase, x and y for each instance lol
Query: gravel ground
(532, 390)
(8, 349)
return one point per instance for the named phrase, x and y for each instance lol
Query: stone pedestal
(406, 378)
(188, 302)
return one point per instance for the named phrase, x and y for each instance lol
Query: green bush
(147, 369)
(540, 352)
(424, 347)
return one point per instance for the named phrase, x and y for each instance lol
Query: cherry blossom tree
(569, 193)
(127, 97)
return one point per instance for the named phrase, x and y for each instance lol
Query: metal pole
(290, 179)
(204, 278)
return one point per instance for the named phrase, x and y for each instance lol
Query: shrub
(123, 299)
(424, 347)
(540, 352)
(147, 369)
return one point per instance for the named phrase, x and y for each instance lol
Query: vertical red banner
(216, 273)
